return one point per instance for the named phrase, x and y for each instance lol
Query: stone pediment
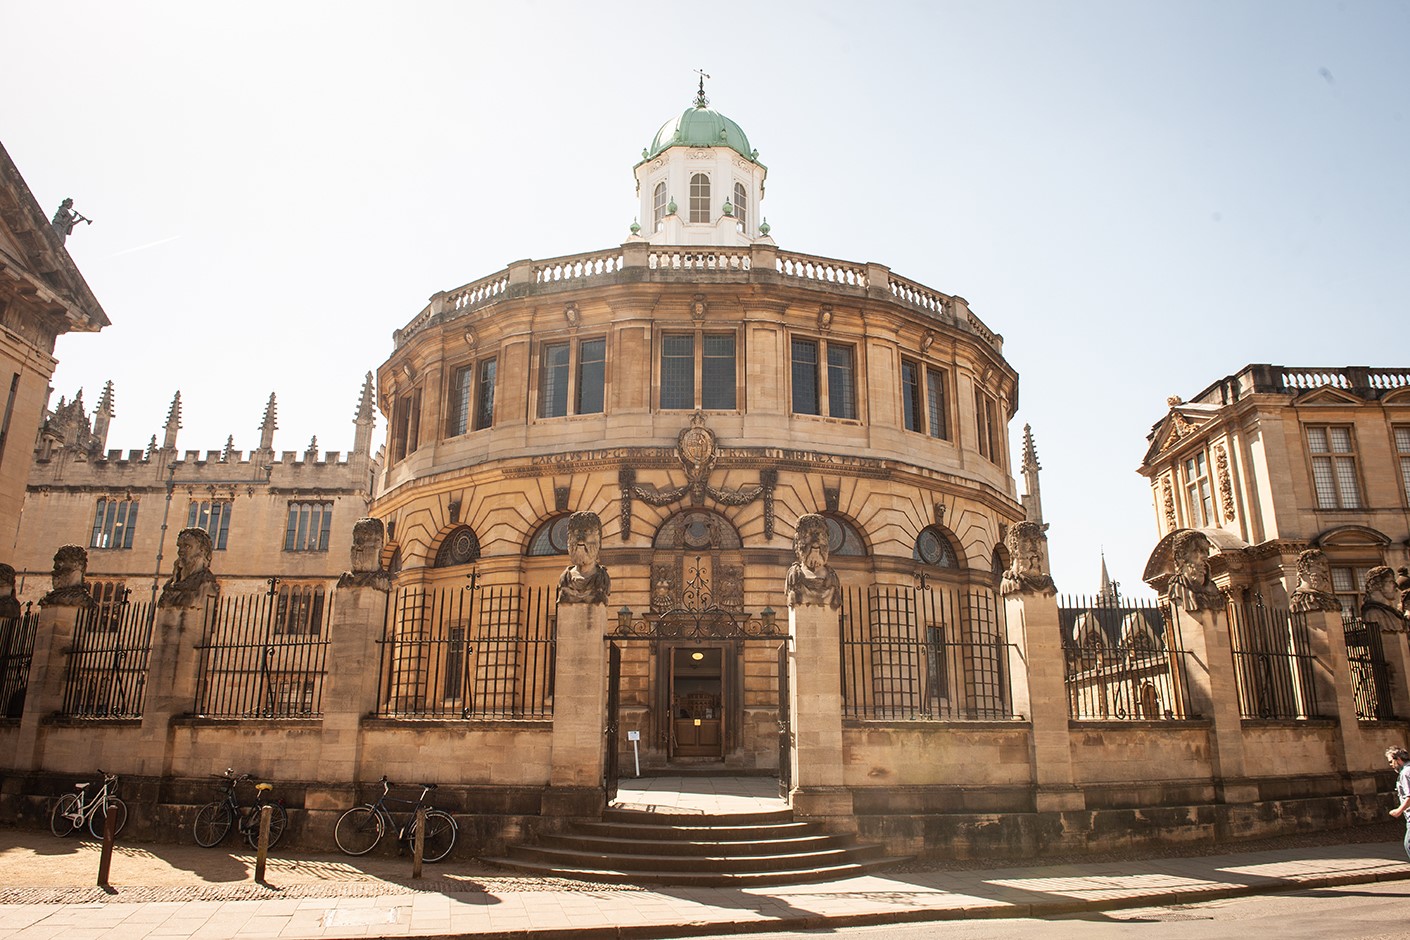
(1401, 396)
(1174, 428)
(1326, 395)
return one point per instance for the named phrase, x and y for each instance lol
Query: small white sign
(633, 735)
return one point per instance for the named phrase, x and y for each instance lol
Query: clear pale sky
(1140, 197)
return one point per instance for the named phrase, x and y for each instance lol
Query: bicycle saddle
(264, 786)
(81, 786)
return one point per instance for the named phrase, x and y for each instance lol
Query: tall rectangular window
(841, 381)
(1334, 466)
(458, 401)
(986, 419)
(592, 376)
(718, 373)
(741, 207)
(805, 377)
(9, 413)
(114, 523)
(935, 398)
(308, 527)
(1402, 449)
(553, 380)
(700, 198)
(658, 206)
(406, 424)
(677, 371)
(910, 396)
(923, 400)
(484, 400)
(213, 515)
(1198, 494)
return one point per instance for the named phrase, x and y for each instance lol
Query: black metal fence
(106, 675)
(463, 652)
(935, 654)
(265, 655)
(1123, 660)
(16, 653)
(1370, 675)
(1273, 663)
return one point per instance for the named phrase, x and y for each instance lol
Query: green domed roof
(700, 126)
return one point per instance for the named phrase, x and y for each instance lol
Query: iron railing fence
(921, 653)
(106, 674)
(265, 655)
(468, 652)
(1273, 663)
(16, 654)
(1123, 660)
(1370, 674)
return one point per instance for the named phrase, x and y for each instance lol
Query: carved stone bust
(191, 578)
(1382, 604)
(1191, 585)
(1314, 583)
(1026, 573)
(811, 582)
(70, 567)
(367, 557)
(9, 604)
(584, 581)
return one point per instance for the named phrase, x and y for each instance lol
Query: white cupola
(699, 182)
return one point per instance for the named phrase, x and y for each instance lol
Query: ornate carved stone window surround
(1199, 494)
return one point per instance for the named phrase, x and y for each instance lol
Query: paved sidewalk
(175, 892)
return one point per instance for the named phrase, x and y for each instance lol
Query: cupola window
(700, 198)
(741, 207)
(658, 206)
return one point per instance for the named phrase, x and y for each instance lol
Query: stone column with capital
(575, 786)
(815, 696)
(1039, 687)
(60, 611)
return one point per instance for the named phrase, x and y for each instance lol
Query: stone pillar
(575, 782)
(1395, 644)
(814, 595)
(1214, 695)
(59, 614)
(1039, 690)
(1336, 698)
(350, 688)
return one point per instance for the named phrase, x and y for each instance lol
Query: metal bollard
(266, 813)
(418, 844)
(105, 860)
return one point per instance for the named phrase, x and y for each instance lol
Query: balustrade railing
(705, 259)
(477, 292)
(577, 267)
(912, 654)
(828, 270)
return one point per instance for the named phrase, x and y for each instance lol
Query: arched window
(843, 538)
(700, 198)
(741, 207)
(461, 547)
(658, 206)
(932, 548)
(551, 538)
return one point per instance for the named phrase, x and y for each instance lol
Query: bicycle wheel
(212, 823)
(278, 822)
(440, 836)
(96, 822)
(65, 820)
(358, 830)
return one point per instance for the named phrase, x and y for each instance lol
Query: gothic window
(837, 385)
(470, 401)
(114, 523)
(460, 547)
(843, 538)
(110, 596)
(551, 538)
(658, 206)
(986, 419)
(1334, 474)
(308, 527)
(213, 515)
(700, 198)
(585, 362)
(923, 399)
(299, 609)
(1199, 496)
(741, 207)
(934, 549)
(704, 361)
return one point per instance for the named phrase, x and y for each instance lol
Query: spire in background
(173, 422)
(1032, 498)
(267, 426)
(366, 417)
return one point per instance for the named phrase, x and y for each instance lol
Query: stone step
(563, 857)
(703, 879)
(666, 818)
(707, 843)
(697, 832)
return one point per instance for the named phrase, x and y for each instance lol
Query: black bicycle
(360, 829)
(214, 820)
(90, 805)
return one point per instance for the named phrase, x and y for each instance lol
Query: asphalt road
(1360, 912)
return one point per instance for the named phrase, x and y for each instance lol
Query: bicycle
(360, 829)
(74, 809)
(214, 820)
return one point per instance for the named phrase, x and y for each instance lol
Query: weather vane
(700, 99)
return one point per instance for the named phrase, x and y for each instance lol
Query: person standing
(1400, 762)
